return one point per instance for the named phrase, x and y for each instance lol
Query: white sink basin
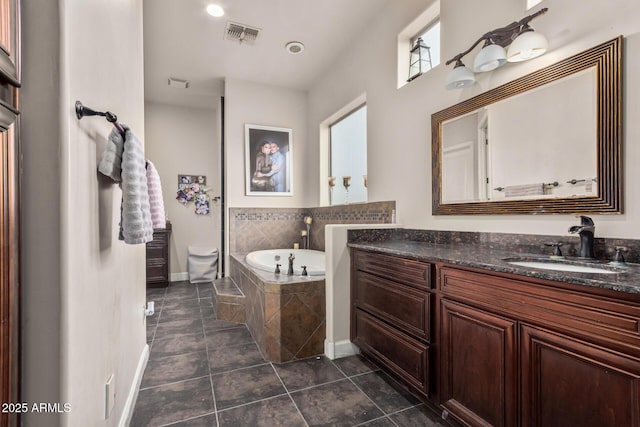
(546, 265)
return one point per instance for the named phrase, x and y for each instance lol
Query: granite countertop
(626, 279)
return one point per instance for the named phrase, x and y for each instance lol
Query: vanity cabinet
(391, 300)
(521, 351)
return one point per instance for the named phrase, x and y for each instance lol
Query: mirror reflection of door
(458, 172)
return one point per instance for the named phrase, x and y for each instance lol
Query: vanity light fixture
(519, 37)
(419, 59)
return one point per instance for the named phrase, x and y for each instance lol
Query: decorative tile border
(253, 229)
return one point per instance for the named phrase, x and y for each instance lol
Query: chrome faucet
(291, 258)
(586, 231)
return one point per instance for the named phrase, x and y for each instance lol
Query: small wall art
(191, 188)
(268, 161)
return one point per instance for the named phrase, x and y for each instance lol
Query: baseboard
(339, 349)
(130, 404)
(179, 277)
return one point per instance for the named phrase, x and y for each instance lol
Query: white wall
(185, 141)
(399, 155)
(258, 104)
(83, 290)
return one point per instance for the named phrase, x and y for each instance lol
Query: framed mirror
(546, 143)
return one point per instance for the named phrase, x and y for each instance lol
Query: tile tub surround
(252, 229)
(487, 251)
(285, 314)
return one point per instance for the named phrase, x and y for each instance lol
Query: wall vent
(241, 33)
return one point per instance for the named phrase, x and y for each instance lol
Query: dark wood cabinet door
(10, 267)
(478, 366)
(9, 42)
(568, 382)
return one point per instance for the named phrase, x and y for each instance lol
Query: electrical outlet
(110, 396)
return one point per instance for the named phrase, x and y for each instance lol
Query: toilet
(202, 264)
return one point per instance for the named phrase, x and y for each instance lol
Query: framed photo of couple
(268, 161)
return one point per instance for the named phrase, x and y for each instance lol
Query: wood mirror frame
(607, 60)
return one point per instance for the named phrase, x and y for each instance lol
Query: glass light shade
(460, 77)
(489, 58)
(527, 45)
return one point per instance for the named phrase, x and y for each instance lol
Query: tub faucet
(291, 258)
(586, 231)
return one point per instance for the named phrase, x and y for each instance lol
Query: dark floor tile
(213, 325)
(205, 291)
(382, 422)
(278, 411)
(222, 359)
(245, 385)
(181, 304)
(173, 314)
(228, 337)
(174, 402)
(208, 312)
(189, 292)
(209, 420)
(179, 327)
(155, 293)
(177, 344)
(354, 365)
(307, 373)
(417, 416)
(336, 404)
(385, 392)
(163, 370)
(151, 331)
(206, 302)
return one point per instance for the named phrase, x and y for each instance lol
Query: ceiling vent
(241, 33)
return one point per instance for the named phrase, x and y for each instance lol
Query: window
(427, 26)
(348, 157)
(532, 3)
(431, 37)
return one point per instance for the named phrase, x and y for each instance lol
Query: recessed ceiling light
(294, 48)
(215, 10)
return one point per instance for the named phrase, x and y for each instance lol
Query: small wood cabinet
(391, 315)
(158, 258)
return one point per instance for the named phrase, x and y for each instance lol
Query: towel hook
(82, 111)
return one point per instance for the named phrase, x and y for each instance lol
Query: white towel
(524, 190)
(111, 160)
(156, 201)
(135, 224)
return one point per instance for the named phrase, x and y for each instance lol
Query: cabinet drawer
(609, 320)
(157, 271)
(406, 357)
(156, 252)
(410, 272)
(404, 307)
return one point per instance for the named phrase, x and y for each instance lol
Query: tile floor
(208, 372)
